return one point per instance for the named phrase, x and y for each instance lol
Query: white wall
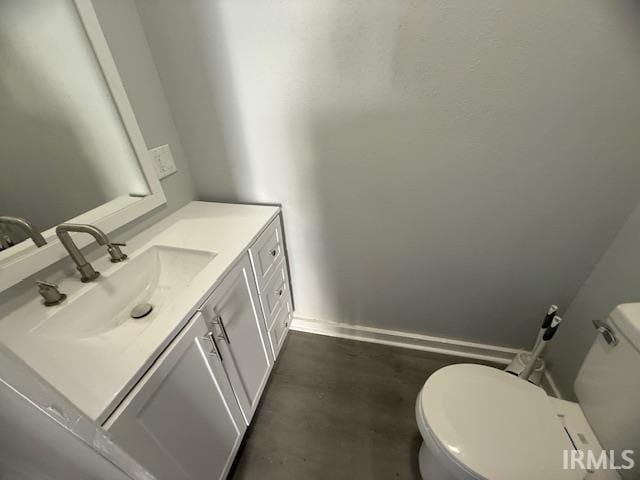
(445, 168)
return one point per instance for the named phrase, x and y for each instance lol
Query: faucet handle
(115, 253)
(45, 285)
(50, 293)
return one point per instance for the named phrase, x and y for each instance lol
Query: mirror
(70, 149)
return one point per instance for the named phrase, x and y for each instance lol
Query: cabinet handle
(214, 347)
(274, 252)
(280, 292)
(224, 330)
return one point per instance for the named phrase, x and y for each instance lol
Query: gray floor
(338, 409)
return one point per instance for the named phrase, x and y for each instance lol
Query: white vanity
(186, 415)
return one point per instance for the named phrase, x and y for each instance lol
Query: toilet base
(430, 467)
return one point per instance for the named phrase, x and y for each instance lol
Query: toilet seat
(491, 425)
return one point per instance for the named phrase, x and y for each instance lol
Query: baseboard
(447, 346)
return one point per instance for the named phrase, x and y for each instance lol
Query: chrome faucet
(87, 272)
(25, 226)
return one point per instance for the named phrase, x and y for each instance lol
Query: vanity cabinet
(182, 420)
(186, 417)
(239, 331)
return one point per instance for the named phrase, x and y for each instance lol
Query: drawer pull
(274, 252)
(214, 348)
(224, 330)
(280, 292)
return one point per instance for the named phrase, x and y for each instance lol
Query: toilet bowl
(479, 422)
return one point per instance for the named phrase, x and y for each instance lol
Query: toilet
(478, 422)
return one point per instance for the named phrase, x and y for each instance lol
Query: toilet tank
(608, 385)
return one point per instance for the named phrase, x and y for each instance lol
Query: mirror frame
(27, 259)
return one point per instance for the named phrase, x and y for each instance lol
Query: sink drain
(141, 310)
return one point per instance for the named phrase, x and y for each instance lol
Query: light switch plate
(163, 161)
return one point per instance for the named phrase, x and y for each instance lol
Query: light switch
(163, 161)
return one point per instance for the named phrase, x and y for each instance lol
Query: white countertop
(96, 375)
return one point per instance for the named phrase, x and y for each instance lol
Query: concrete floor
(338, 409)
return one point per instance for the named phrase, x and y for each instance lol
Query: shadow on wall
(444, 169)
(437, 242)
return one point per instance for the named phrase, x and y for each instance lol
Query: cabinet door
(182, 420)
(235, 316)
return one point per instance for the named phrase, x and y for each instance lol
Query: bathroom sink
(155, 276)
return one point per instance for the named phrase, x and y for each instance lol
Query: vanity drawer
(280, 327)
(266, 252)
(276, 288)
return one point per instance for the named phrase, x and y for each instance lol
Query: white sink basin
(155, 276)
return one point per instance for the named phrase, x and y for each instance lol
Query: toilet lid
(494, 425)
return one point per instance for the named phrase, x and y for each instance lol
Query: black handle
(551, 330)
(546, 323)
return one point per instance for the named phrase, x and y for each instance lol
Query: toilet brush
(542, 344)
(545, 324)
(521, 360)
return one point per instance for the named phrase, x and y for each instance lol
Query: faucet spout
(99, 236)
(25, 226)
(87, 272)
